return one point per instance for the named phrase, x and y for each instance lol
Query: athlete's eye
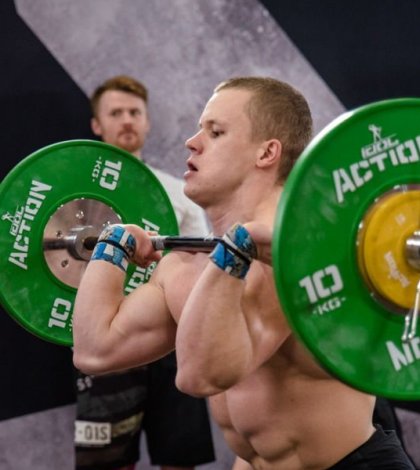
(215, 133)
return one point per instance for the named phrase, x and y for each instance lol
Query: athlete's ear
(269, 153)
(96, 127)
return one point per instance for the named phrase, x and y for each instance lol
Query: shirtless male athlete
(277, 408)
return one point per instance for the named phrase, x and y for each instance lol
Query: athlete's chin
(192, 192)
(198, 196)
(189, 190)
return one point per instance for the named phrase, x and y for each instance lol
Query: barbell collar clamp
(411, 319)
(412, 250)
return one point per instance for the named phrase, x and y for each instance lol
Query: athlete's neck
(259, 206)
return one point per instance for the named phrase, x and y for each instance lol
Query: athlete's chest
(181, 280)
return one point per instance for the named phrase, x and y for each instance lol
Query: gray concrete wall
(180, 48)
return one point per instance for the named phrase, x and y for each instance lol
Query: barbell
(346, 244)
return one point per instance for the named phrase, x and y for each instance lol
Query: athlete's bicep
(144, 329)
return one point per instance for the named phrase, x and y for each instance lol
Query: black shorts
(113, 410)
(383, 451)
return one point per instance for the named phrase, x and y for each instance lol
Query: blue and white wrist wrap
(115, 245)
(235, 252)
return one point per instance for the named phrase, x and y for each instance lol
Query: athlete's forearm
(214, 342)
(214, 346)
(107, 325)
(98, 299)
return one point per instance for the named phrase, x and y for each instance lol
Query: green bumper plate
(352, 162)
(30, 196)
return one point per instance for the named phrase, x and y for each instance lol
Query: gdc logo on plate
(383, 155)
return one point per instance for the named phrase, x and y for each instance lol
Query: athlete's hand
(145, 253)
(262, 236)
